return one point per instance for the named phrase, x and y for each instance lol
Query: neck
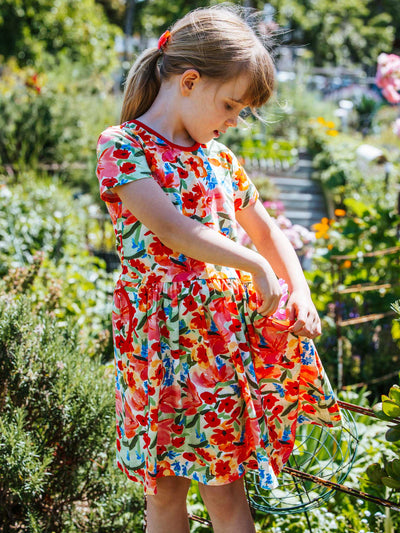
(164, 117)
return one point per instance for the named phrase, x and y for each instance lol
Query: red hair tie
(164, 40)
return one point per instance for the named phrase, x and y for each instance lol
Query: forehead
(233, 89)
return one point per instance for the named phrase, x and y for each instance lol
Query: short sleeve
(120, 159)
(245, 192)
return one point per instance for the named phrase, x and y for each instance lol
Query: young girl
(212, 374)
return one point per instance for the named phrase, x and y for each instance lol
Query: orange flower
(321, 228)
(340, 212)
(346, 264)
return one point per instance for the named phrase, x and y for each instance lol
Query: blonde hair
(215, 41)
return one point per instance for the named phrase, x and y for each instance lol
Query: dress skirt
(206, 387)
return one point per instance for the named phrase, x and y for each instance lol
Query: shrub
(57, 471)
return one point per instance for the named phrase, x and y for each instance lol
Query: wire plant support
(320, 462)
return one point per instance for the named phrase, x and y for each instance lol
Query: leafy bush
(43, 251)
(56, 430)
(76, 29)
(52, 121)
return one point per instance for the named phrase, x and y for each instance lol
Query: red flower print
(222, 436)
(235, 325)
(189, 456)
(186, 342)
(183, 174)
(177, 428)
(212, 420)
(198, 322)
(121, 154)
(130, 379)
(109, 182)
(222, 468)
(118, 445)
(308, 398)
(209, 398)
(205, 454)
(270, 400)
(252, 464)
(138, 265)
(142, 419)
(310, 409)
(226, 405)
(201, 354)
(190, 303)
(127, 168)
(147, 440)
(189, 201)
(291, 388)
(158, 248)
(178, 442)
(197, 165)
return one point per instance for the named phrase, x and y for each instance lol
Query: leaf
(393, 434)
(394, 394)
(389, 407)
(391, 483)
(375, 473)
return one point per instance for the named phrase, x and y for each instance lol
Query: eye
(228, 107)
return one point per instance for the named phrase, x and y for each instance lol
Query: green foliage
(57, 430)
(43, 251)
(341, 32)
(48, 119)
(33, 30)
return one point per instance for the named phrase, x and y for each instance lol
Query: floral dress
(206, 388)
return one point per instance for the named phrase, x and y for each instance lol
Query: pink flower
(388, 77)
(396, 127)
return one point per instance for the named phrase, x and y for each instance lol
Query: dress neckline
(192, 148)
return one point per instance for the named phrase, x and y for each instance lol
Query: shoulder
(217, 151)
(119, 136)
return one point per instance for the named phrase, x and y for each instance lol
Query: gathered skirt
(206, 387)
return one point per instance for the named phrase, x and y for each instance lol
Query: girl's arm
(272, 244)
(148, 203)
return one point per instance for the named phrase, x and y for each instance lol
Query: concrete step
(296, 184)
(302, 201)
(305, 218)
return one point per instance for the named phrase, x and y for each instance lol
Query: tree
(340, 32)
(77, 29)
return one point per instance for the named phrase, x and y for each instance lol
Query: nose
(232, 122)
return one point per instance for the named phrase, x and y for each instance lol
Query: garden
(333, 126)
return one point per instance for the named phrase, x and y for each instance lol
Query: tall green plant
(57, 471)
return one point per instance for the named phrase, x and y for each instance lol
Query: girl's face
(209, 107)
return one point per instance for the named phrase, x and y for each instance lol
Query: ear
(188, 81)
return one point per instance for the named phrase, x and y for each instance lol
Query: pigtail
(142, 85)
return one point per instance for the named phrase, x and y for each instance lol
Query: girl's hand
(301, 309)
(268, 290)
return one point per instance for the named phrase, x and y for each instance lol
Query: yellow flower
(333, 133)
(321, 120)
(340, 212)
(321, 228)
(330, 124)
